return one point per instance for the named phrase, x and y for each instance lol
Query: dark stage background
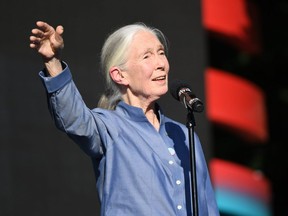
(42, 172)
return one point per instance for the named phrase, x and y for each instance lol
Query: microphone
(181, 91)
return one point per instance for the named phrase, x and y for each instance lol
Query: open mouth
(159, 78)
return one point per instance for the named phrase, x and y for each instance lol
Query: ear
(117, 76)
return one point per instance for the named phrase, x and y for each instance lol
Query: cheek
(167, 66)
(147, 72)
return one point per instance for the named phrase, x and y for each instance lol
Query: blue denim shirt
(139, 171)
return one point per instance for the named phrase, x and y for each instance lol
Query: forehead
(144, 39)
(144, 34)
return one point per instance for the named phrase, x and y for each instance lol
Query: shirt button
(179, 207)
(171, 162)
(172, 151)
(178, 182)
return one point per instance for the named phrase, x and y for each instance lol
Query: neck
(148, 109)
(152, 118)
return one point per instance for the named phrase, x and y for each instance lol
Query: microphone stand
(193, 180)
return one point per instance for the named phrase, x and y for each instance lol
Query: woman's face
(147, 67)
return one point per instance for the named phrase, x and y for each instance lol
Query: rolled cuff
(53, 84)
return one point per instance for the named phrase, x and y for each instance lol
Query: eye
(161, 52)
(147, 55)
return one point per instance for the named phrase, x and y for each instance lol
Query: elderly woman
(140, 157)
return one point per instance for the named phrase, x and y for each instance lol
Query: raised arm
(65, 103)
(49, 43)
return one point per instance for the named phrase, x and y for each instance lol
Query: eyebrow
(161, 46)
(151, 49)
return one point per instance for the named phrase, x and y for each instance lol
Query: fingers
(36, 37)
(44, 26)
(45, 37)
(34, 41)
(42, 32)
(37, 33)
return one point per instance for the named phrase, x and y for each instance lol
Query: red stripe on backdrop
(237, 178)
(237, 21)
(237, 103)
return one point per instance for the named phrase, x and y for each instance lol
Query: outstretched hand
(47, 40)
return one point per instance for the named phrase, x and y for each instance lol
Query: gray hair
(114, 53)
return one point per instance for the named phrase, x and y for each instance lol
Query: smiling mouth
(159, 78)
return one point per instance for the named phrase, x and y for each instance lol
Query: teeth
(159, 78)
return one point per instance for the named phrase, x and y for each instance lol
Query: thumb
(58, 35)
(60, 29)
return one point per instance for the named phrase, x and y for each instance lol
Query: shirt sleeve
(70, 114)
(53, 84)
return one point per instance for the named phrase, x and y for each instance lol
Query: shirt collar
(135, 113)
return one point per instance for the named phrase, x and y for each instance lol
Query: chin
(163, 92)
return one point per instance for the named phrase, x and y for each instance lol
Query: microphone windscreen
(175, 86)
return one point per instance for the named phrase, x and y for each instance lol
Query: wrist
(53, 66)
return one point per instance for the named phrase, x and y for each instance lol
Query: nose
(162, 62)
